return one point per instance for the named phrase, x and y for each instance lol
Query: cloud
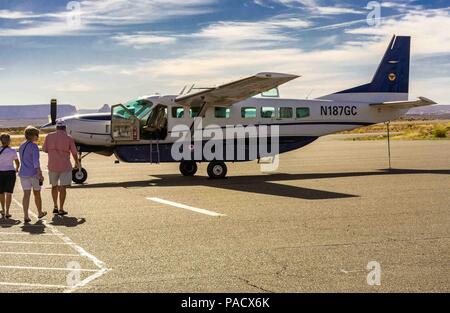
(142, 39)
(95, 16)
(435, 22)
(70, 87)
(8, 14)
(331, 65)
(311, 6)
(263, 33)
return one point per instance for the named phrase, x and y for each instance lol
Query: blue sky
(88, 53)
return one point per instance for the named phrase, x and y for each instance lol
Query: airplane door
(124, 124)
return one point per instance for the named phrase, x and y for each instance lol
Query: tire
(188, 168)
(79, 177)
(217, 169)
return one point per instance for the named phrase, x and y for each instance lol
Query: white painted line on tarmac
(13, 267)
(186, 207)
(34, 242)
(26, 234)
(83, 253)
(38, 253)
(2, 283)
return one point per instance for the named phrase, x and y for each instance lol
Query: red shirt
(59, 145)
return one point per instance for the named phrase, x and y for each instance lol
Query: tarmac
(318, 224)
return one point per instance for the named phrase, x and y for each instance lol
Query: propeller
(53, 111)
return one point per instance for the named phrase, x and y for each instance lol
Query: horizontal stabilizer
(422, 101)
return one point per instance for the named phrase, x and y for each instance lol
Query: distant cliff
(36, 111)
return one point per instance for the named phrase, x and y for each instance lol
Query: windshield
(140, 108)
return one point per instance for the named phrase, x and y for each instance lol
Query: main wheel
(188, 168)
(79, 177)
(217, 169)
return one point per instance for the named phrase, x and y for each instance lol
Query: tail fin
(391, 80)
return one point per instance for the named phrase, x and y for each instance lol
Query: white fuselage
(325, 116)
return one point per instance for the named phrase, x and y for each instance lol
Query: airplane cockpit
(139, 119)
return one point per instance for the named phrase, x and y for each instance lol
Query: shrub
(439, 131)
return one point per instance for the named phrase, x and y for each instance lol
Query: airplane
(138, 131)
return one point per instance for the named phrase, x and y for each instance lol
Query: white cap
(60, 123)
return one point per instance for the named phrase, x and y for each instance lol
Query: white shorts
(60, 179)
(30, 183)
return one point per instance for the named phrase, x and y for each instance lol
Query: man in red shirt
(59, 146)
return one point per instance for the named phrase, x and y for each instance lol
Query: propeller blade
(53, 111)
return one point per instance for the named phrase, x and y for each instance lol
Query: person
(59, 146)
(30, 172)
(8, 157)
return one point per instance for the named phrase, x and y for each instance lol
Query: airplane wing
(228, 94)
(422, 101)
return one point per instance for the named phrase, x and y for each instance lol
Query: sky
(91, 52)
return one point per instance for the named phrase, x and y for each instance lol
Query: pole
(389, 144)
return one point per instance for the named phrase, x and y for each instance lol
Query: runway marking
(186, 207)
(46, 268)
(26, 234)
(102, 269)
(31, 285)
(37, 253)
(34, 242)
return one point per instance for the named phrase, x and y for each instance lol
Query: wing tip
(276, 75)
(428, 101)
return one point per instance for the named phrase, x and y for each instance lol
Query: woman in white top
(8, 157)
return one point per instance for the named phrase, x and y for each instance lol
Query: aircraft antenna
(389, 143)
(307, 97)
(182, 91)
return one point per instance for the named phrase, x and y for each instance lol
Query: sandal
(27, 220)
(62, 212)
(8, 215)
(42, 214)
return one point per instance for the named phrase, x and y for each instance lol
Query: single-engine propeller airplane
(140, 130)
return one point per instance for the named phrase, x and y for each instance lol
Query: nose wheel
(217, 169)
(79, 176)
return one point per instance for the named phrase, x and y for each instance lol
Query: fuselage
(299, 123)
(294, 118)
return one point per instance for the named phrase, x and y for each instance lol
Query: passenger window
(177, 112)
(194, 111)
(267, 112)
(248, 112)
(301, 112)
(221, 112)
(286, 113)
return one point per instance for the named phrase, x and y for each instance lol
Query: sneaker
(62, 212)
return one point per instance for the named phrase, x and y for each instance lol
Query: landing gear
(217, 169)
(80, 175)
(188, 168)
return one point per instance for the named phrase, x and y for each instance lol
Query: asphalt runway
(313, 226)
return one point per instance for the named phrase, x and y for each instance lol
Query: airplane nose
(48, 126)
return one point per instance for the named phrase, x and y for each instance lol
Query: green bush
(439, 131)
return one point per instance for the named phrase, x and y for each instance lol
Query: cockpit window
(140, 108)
